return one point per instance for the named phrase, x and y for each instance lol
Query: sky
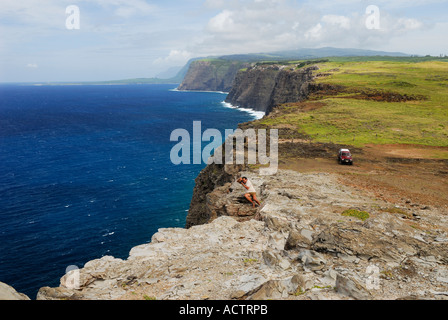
(96, 40)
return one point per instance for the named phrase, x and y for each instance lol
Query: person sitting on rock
(251, 193)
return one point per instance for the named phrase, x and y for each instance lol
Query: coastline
(256, 114)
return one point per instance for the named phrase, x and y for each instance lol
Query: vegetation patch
(362, 215)
(250, 261)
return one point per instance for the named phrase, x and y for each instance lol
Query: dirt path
(400, 174)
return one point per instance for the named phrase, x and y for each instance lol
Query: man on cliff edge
(251, 193)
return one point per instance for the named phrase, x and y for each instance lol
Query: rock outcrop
(297, 245)
(204, 203)
(9, 293)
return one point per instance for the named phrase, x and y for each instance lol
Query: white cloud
(314, 33)
(32, 12)
(405, 24)
(175, 58)
(383, 4)
(215, 3)
(223, 22)
(337, 21)
(126, 8)
(400, 4)
(426, 40)
(269, 25)
(134, 38)
(254, 26)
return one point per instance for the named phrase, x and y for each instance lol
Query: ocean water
(85, 172)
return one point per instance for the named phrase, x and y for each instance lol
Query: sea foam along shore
(204, 91)
(257, 114)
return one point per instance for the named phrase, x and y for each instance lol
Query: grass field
(395, 101)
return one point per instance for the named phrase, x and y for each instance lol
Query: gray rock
(277, 289)
(274, 259)
(352, 288)
(329, 278)
(312, 260)
(299, 239)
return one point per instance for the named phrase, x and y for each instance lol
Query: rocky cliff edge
(297, 245)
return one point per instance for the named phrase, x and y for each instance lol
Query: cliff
(211, 75)
(300, 247)
(253, 87)
(257, 86)
(262, 87)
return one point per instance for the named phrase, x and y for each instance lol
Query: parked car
(345, 157)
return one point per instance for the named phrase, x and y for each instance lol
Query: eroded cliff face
(211, 75)
(291, 85)
(262, 88)
(253, 87)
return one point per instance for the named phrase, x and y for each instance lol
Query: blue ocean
(85, 172)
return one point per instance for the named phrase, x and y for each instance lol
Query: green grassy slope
(373, 101)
